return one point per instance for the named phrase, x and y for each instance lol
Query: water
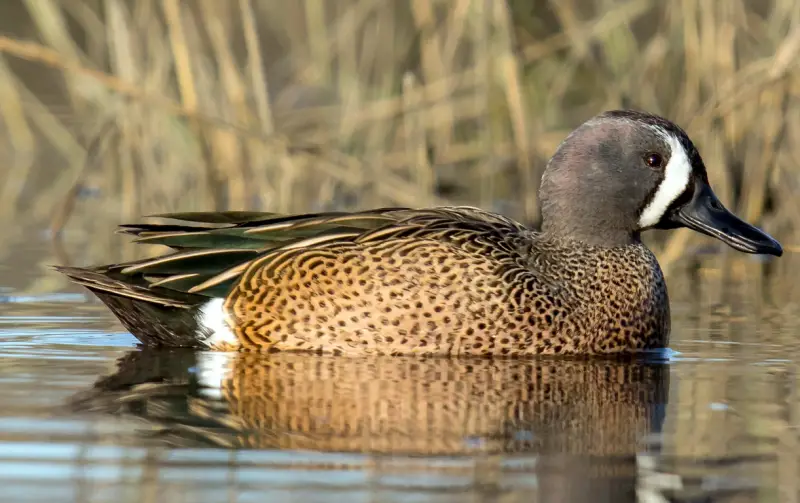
(86, 416)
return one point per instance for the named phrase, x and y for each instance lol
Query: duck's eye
(654, 160)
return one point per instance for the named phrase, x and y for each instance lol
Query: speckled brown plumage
(444, 281)
(452, 281)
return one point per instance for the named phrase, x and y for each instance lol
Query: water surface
(88, 416)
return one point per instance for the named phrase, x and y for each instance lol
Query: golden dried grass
(160, 105)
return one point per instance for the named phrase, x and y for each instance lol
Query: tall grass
(113, 108)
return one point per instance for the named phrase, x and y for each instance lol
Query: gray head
(623, 172)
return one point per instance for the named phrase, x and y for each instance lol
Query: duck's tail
(160, 317)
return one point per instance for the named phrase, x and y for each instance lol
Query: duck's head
(623, 172)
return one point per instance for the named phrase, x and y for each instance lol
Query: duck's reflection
(586, 418)
(390, 404)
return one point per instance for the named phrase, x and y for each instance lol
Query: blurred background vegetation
(110, 109)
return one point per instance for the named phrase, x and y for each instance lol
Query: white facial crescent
(676, 179)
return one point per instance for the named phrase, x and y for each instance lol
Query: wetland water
(86, 416)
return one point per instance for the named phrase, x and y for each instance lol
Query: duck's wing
(211, 249)
(216, 248)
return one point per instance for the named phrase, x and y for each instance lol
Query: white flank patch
(212, 371)
(213, 320)
(676, 178)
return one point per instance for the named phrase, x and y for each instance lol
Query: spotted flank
(451, 280)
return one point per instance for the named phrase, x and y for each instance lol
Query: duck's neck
(595, 235)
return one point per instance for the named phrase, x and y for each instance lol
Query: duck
(441, 281)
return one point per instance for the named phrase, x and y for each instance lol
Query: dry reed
(112, 109)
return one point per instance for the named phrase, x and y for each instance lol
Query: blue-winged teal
(449, 280)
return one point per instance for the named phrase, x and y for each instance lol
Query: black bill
(704, 213)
